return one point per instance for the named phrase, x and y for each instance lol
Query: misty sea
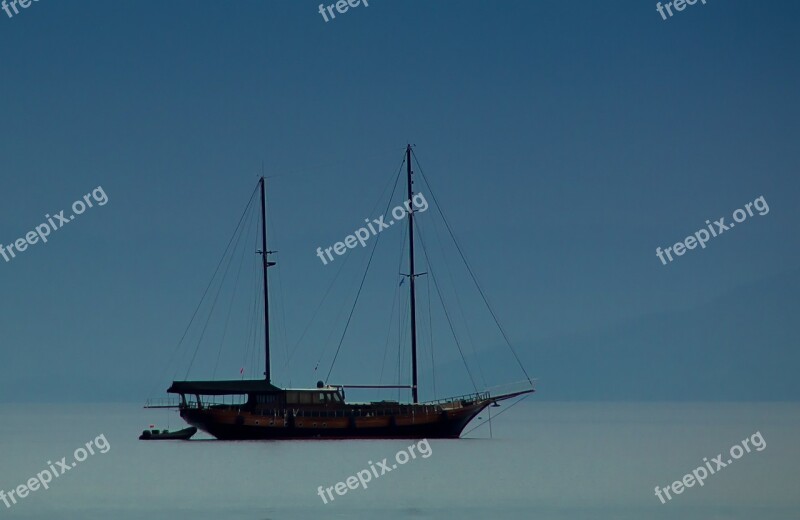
(549, 461)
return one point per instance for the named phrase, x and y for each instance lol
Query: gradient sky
(565, 141)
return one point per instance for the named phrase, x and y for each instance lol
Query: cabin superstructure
(254, 394)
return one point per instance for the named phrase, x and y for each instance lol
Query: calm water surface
(545, 460)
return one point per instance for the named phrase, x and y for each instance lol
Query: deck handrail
(476, 396)
(162, 402)
(355, 412)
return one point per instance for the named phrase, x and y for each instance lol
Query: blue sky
(565, 140)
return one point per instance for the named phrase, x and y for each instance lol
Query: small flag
(152, 426)
(241, 371)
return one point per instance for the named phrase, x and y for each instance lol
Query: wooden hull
(233, 423)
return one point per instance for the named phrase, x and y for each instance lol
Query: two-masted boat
(269, 412)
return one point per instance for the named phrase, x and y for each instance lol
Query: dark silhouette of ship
(265, 411)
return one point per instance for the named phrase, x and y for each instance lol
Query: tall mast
(412, 278)
(266, 263)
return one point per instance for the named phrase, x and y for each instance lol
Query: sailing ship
(270, 412)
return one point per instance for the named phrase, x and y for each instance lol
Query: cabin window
(299, 397)
(266, 398)
(302, 397)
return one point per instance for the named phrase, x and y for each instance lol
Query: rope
(459, 305)
(498, 415)
(363, 278)
(245, 232)
(469, 269)
(194, 314)
(447, 314)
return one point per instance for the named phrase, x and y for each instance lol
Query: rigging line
(469, 269)
(279, 278)
(252, 314)
(447, 314)
(422, 337)
(385, 188)
(202, 298)
(211, 311)
(244, 232)
(458, 300)
(402, 332)
(363, 278)
(324, 345)
(512, 405)
(388, 184)
(340, 270)
(352, 310)
(430, 329)
(258, 324)
(257, 334)
(319, 306)
(491, 434)
(395, 298)
(255, 323)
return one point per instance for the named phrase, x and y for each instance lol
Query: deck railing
(353, 412)
(162, 402)
(477, 396)
(235, 402)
